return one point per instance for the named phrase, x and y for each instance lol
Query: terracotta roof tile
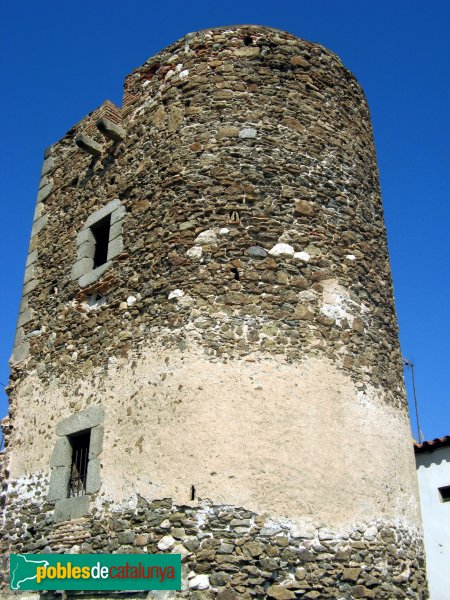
(432, 444)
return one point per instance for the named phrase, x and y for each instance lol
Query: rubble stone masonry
(235, 355)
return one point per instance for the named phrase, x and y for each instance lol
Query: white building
(433, 472)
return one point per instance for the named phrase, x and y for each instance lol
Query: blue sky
(60, 60)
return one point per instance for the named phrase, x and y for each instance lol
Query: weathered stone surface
(115, 247)
(89, 145)
(248, 133)
(93, 480)
(359, 591)
(71, 508)
(290, 190)
(38, 225)
(280, 592)
(351, 574)
(206, 238)
(227, 132)
(59, 483)
(298, 61)
(247, 51)
(96, 441)
(141, 539)
(303, 207)
(244, 566)
(256, 252)
(282, 250)
(166, 543)
(62, 453)
(103, 212)
(111, 130)
(195, 252)
(79, 421)
(303, 312)
(253, 548)
(90, 275)
(187, 225)
(47, 166)
(226, 594)
(199, 582)
(175, 120)
(45, 192)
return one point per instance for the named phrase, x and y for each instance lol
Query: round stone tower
(208, 307)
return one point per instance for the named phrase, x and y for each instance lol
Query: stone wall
(241, 336)
(228, 552)
(277, 130)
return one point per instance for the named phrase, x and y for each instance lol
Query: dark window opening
(192, 492)
(79, 467)
(96, 299)
(235, 273)
(445, 493)
(100, 231)
(234, 217)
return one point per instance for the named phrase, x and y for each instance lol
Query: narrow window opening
(100, 231)
(96, 300)
(192, 492)
(79, 467)
(248, 40)
(54, 287)
(234, 217)
(235, 273)
(445, 493)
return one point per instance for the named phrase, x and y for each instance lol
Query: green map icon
(23, 569)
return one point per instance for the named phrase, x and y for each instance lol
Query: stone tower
(208, 312)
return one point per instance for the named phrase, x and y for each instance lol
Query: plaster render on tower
(208, 294)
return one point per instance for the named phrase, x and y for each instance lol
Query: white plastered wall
(291, 440)
(433, 472)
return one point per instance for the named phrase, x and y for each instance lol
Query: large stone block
(89, 145)
(32, 257)
(91, 276)
(111, 130)
(21, 352)
(96, 442)
(29, 286)
(115, 247)
(38, 211)
(29, 273)
(115, 230)
(85, 235)
(86, 250)
(45, 192)
(47, 166)
(93, 480)
(84, 419)
(81, 267)
(25, 317)
(59, 483)
(102, 212)
(62, 453)
(118, 214)
(71, 508)
(38, 225)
